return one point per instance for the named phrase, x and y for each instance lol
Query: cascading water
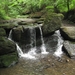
(31, 54)
(18, 48)
(33, 40)
(58, 51)
(10, 35)
(43, 48)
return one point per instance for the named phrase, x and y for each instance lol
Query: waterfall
(31, 54)
(17, 46)
(10, 35)
(58, 51)
(33, 40)
(19, 50)
(32, 51)
(43, 48)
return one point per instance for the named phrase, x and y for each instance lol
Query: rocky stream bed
(48, 65)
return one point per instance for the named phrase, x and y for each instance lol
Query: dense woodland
(14, 8)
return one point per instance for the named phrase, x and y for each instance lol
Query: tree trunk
(68, 5)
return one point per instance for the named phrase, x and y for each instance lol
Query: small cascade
(58, 51)
(31, 54)
(10, 35)
(43, 48)
(19, 50)
(33, 40)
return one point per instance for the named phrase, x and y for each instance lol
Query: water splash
(58, 51)
(33, 40)
(19, 50)
(32, 52)
(43, 48)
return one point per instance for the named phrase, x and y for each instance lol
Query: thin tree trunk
(68, 5)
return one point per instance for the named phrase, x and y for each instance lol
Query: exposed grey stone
(70, 48)
(68, 32)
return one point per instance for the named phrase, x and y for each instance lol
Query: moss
(7, 60)
(6, 46)
(2, 32)
(52, 22)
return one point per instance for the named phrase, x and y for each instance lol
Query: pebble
(67, 60)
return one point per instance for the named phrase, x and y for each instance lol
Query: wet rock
(2, 32)
(8, 25)
(8, 52)
(8, 59)
(68, 32)
(70, 48)
(52, 22)
(6, 46)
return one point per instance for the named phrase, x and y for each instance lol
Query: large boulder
(6, 46)
(69, 47)
(8, 52)
(68, 32)
(52, 22)
(8, 60)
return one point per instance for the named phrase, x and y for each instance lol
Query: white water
(43, 48)
(32, 52)
(10, 35)
(58, 51)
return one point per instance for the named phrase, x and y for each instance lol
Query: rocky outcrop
(6, 46)
(52, 22)
(8, 52)
(69, 47)
(68, 32)
(24, 33)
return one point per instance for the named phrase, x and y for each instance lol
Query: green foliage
(13, 8)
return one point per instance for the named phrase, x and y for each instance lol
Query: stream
(49, 59)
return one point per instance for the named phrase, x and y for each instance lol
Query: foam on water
(58, 51)
(43, 48)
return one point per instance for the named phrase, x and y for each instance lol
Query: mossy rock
(6, 46)
(8, 60)
(8, 25)
(2, 32)
(52, 22)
